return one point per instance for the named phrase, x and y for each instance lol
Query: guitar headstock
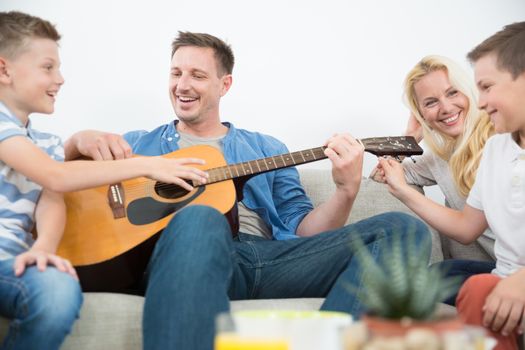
(392, 146)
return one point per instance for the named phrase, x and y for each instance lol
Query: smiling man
(284, 249)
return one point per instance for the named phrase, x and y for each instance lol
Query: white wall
(305, 69)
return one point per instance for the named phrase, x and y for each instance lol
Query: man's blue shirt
(276, 196)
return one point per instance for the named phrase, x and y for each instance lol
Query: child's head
(29, 64)
(499, 66)
(16, 30)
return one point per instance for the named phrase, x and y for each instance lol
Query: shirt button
(176, 135)
(170, 139)
(521, 157)
(515, 180)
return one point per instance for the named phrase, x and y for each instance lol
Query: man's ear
(4, 74)
(227, 81)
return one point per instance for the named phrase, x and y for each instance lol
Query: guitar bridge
(116, 200)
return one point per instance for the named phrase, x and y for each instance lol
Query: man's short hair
(509, 47)
(17, 28)
(222, 51)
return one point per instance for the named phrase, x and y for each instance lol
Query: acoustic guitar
(111, 230)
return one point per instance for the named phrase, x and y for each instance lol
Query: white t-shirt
(499, 191)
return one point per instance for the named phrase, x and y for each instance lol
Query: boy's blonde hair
(464, 152)
(16, 28)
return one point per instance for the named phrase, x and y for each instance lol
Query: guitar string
(318, 152)
(240, 168)
(226, 172)
(152, 185)
(247, 168)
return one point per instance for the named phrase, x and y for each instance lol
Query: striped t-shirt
(18, 194)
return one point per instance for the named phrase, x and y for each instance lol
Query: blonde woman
(443, 103)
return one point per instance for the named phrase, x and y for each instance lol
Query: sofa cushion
(297, 304)
(107, 321)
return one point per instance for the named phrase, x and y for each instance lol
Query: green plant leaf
(400, 283)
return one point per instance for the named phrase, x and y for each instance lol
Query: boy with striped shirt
(39, 290)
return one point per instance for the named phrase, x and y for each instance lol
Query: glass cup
(228, 337)
(281, 329)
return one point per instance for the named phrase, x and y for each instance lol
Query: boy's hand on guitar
(391, 172)
(346, 154)
(97, 145)
(42, 259)
(504, 309)
(176, 171)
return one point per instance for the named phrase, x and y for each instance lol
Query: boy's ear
(4, 74)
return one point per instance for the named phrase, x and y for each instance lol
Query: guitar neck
(263, 165)
(379, 146)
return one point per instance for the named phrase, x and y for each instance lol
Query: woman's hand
(414, 128)
(376, 175)
(391, 172)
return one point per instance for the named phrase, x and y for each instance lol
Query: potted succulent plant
(400, 291)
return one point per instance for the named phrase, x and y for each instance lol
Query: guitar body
(110, 247)
(111, 230)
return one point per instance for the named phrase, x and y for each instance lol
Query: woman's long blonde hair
(464, 152)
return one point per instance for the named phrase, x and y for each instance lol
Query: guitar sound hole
(170, 190)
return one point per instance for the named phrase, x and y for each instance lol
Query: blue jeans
(464, 269)
(196, 269)
(42, 306)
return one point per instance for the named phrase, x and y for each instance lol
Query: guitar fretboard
(379, 146)
(265, 164)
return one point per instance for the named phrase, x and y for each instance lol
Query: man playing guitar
(284, 249)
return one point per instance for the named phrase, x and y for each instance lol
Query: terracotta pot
(387, 328)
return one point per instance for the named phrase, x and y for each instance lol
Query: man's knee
(196, 234)
(408, 222)
(404, 225)
(199, 211)
(196, 223)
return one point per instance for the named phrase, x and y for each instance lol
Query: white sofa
(113, 321)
